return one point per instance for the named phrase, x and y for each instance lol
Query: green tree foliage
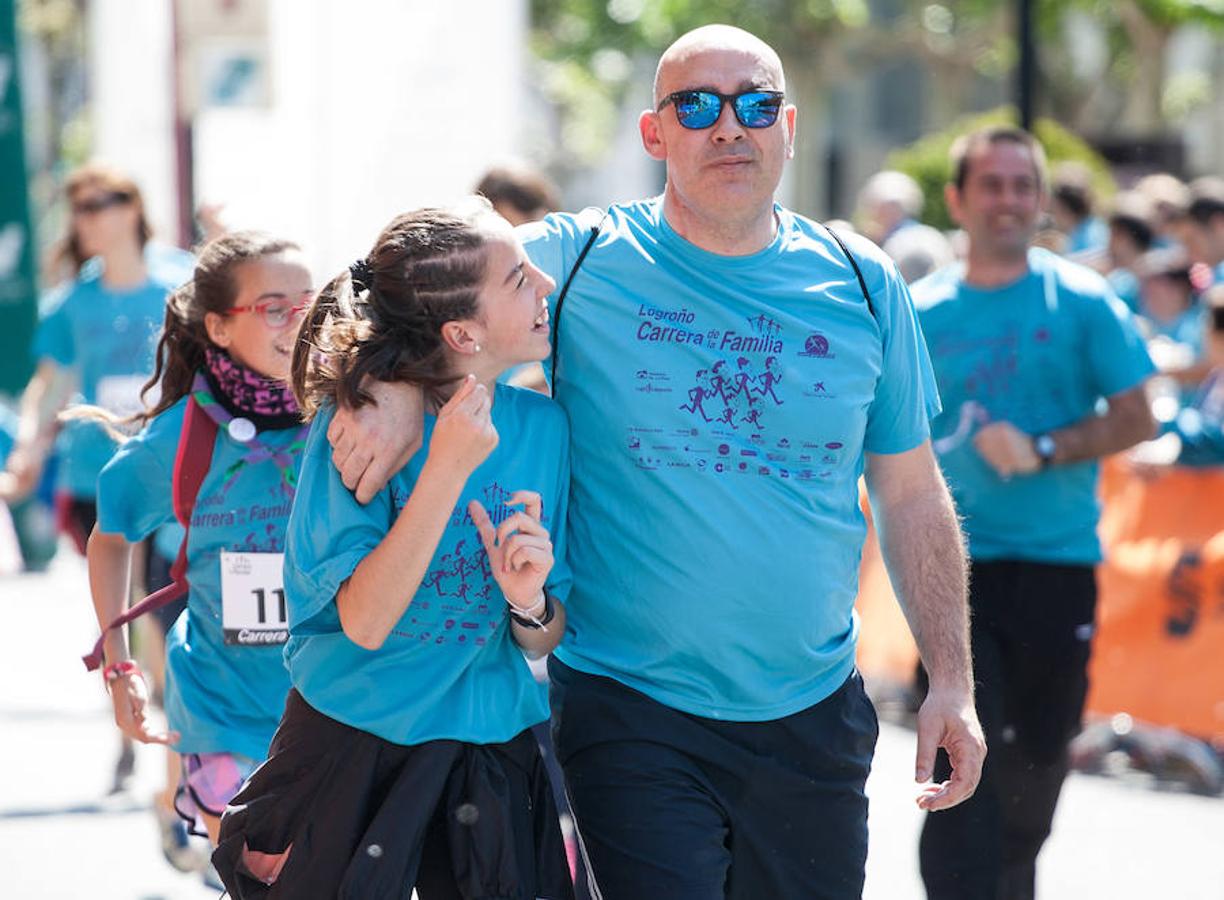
(590, 49)
(926, 160)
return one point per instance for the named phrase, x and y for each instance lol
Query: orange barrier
(886, 650)
(1159, 650)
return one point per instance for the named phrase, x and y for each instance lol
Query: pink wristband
(121, 669)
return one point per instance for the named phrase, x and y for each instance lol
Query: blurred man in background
(1024, 345)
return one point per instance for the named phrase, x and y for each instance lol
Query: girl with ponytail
(405, 756)
(223, 409)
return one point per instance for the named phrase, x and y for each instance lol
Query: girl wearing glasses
(405, 756)
(98, 328)
(96, 338)
(224, 410)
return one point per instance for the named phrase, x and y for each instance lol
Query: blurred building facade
(317, 121)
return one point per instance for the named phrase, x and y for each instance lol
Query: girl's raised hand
(464, 435)
(520, 552)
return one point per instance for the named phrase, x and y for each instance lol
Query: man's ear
(952, 199)
(788, 119)
(217, 327)
(461, 336)
(652, 134)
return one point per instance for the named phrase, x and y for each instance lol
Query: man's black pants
(688, 808)
(1031, 631)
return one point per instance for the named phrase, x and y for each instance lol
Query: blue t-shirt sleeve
(53, 337)
(329, 534)
(135, 488)
(1117, 355)
(561, 578)
(906, 395)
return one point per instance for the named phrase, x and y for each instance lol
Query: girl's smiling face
(260, 328)
(513, 313)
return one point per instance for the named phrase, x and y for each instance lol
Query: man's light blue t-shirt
(1201, 424)
(109, 338)
(719, 411)
(1040, 353)
(450, 668)
(221, 697)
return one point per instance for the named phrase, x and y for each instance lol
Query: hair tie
(362, 275)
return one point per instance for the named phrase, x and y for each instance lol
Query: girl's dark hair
(212, 288)
(425, 270)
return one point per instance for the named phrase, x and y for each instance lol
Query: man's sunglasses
(1217, 318)
(275, 313)
(99, 203)
(701, 109)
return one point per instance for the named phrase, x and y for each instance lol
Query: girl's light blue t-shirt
(109, 338)
(221, 696)
(450, 668)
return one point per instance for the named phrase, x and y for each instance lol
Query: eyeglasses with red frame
(276, 312)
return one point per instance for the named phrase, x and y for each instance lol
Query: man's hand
(1006, 449)
(947, 719)
(371, 444)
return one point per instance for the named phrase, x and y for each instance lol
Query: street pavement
(63, 836)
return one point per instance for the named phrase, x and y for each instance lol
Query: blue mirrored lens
(757, 109)
(698, 109)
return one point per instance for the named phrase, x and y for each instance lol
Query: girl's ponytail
(330, 326)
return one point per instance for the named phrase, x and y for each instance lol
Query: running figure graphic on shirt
(764, 325)
(753, 416)
(733, 397)
(741, 379)
(719, 380)
(459, 572)
(699, 394)
(771, 376)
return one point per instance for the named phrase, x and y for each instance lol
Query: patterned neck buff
(267, 402)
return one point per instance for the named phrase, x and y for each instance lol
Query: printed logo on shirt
(734, 399)
(736, 396)
(819, 390)
(817, 347)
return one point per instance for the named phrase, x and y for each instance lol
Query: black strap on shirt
(556, 313)
(858, 273)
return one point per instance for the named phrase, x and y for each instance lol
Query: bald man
(729, 371)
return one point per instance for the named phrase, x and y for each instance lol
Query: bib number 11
(253, 611)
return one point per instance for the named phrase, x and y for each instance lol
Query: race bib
(120, 394)
(253, 610)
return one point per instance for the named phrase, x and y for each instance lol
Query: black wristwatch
(1045, 448)
(549, 612)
